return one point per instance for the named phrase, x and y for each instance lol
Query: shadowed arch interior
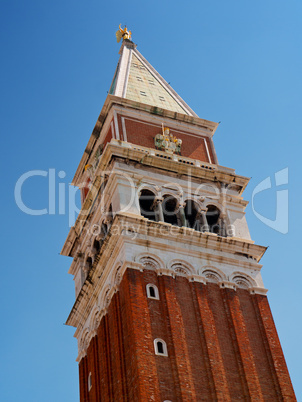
(146, 203)
(170, 210)
(212, 216)
(191, 213)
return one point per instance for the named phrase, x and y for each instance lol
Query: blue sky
(234, 62)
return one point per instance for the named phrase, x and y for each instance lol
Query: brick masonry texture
(222, 345)
(143, 133)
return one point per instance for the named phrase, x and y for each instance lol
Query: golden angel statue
(123, 33)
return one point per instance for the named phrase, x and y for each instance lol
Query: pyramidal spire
(137, 80)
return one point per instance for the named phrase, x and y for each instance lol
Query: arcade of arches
(189, 214)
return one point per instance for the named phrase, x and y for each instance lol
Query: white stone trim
(127, 74)
(124, 129)
(181, 267)
(197, 278)
(149, 259)
(258, 290)
(207, 149)
(113, 103)
(148, 186)
(122, 72)
(107, 291)
(151, 285)
(243, 280)
(158, 124)
(165, 350)
(198, 253)
(228, 285)
(117, 133)
(207, 271)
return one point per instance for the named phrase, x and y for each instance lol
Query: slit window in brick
(89, 382)
(152, 291)
(160, 347)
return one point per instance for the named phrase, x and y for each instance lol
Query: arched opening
(110, 215)
(104, 230)
(88, 264)
(96, 246)
(212, 216)
(191, 213)
(89, 382)
(152, 291)
(160, 347)
(146, 204)
(170, 210)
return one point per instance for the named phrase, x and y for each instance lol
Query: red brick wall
(108, 137)
(222, 345)
(143, 133)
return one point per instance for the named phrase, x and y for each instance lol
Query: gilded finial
(123, 33)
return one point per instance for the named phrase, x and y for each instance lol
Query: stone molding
(202, 247)
(142, 155)
(174, 268)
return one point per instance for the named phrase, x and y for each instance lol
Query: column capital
(201, 210)
(181, 204)
(157, 200)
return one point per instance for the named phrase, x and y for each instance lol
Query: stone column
(222, 224)
(158, 209)
(182, 215)
(202, 215)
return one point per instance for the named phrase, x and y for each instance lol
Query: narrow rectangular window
(89, 382)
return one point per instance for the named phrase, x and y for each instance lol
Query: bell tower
(170, 304)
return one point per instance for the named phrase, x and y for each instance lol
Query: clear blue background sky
(238, 62)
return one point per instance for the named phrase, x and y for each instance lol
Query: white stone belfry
(146, 209)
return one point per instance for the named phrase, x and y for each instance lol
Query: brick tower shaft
(170, 303)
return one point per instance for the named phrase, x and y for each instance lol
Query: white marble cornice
(102, 276)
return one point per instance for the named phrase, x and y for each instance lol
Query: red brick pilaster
(83, 380)
(243, 344)
(212, 351)
(104, 385)
(122, 351)
(179, 353)
(95, 370)
(90, 367)
(115, 356)
(140, 341)
(108, 351)
(273, 345)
